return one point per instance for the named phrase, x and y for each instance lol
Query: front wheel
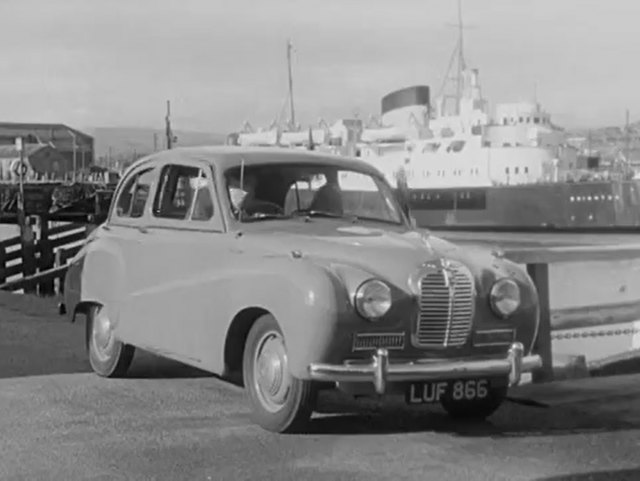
(108, 356)
(475, 409)
(281, 403)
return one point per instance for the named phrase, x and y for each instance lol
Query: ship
(463, 167)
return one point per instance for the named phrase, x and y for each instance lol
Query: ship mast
(457, 56)
(461, 62)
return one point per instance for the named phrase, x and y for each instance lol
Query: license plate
(434, 392)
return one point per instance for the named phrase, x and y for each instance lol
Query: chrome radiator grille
(446, 307)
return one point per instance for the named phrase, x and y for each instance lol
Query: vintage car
(292, 272)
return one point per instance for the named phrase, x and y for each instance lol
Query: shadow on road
(343, 416)
(617, 475)
(149, 366)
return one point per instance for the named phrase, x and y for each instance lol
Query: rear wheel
(281, 403)
(476, 409)
(108, 356)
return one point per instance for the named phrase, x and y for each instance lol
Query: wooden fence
(36, 263)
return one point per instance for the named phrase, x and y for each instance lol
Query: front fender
(310, 302)
(527, 318)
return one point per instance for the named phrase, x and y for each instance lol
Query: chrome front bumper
(380, 371)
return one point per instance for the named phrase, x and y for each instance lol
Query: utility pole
(291, 108)
(169, 133)
(20, 147)
(75, 148)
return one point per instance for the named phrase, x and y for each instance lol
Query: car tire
(108, 356)
(477, 409)
(286, 406)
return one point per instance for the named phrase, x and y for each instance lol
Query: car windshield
(289, 190)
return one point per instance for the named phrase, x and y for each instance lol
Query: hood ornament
(426, 242)
(448, 273)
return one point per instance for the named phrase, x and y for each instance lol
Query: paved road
(170, 422)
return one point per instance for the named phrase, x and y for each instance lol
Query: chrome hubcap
(102, 335)
(271, 376)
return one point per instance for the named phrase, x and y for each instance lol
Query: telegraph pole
(169, 133)
(20, 148)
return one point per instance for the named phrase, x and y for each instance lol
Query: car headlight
(373, 299)
(505, 297)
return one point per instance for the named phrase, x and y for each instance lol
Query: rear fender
(95, 276)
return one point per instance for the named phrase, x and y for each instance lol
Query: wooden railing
(34, 264)
(537, 261)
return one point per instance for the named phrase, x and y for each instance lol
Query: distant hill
(127, 142)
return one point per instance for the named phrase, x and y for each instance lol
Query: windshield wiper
(316, 213)
(376, 219)
(261, 216)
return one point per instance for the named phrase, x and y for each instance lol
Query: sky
(92, 63)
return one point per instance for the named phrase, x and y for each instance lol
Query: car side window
(134, 195)
(183, 194)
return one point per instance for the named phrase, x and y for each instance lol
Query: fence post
(540, 275)
(59, 261)
(28, 253)
(47, 287)
(3, 263)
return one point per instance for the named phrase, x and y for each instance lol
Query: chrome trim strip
(379, 370)
(359, 337)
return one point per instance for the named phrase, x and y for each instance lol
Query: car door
(181, 261)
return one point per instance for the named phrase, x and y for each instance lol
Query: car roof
(223, 157)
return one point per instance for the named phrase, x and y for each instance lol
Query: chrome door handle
(143, 229)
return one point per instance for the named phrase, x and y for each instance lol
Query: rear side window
(183, 194)
(134, 195)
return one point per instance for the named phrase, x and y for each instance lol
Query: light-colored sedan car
(297, 272)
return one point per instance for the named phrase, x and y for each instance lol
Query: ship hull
(568, 206)
(558, 205)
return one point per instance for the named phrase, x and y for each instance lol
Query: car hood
(390, 253)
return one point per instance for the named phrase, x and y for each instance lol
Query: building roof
(10, 151)
(26, 127)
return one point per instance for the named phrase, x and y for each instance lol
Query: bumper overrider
(381, 371)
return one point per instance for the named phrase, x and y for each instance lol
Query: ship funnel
(408, 97)
(402, 107)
